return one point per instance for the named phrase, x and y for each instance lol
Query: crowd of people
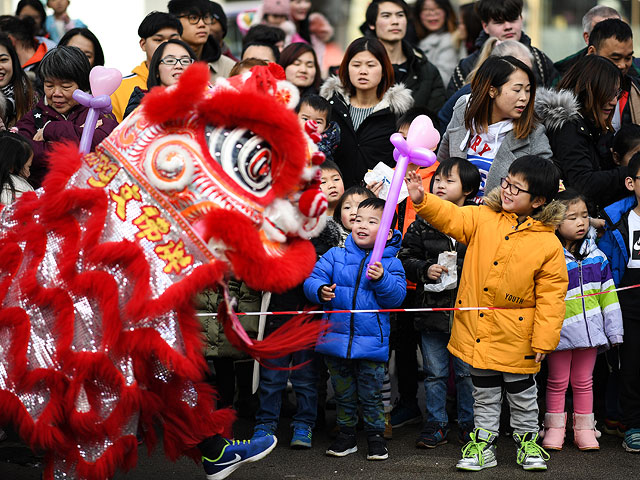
(533, 220)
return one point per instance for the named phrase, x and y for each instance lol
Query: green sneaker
(530, 456)
(480, 452)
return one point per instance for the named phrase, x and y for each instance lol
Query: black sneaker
(377, 447)
(343, 445)
(432, 436)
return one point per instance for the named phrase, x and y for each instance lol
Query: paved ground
(405, 462)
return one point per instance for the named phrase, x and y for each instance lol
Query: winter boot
(585, 434)
(554, 430)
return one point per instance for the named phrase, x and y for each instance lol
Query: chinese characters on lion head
(98, 339)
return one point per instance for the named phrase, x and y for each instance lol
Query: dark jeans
(357, 381)
(274, 381)
(630, 373)
(405, 339)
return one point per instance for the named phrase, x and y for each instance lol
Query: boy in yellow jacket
(515, 262)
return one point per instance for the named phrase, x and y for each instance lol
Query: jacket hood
(391, 249)
(551, 214)
(142, 71)
(616, 211)
(398, 98)
(555, 108)
(587, 247)
(331, 233)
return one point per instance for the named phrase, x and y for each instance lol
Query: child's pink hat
(276, 7)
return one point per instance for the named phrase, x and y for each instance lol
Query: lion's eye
(243, 155)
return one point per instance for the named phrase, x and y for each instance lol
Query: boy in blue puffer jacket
(356, 345)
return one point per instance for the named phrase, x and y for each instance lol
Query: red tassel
(299, 333)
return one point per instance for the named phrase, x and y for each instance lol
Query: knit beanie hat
(276, 7)
(218, 13)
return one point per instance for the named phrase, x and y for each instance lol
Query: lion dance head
(98, 339)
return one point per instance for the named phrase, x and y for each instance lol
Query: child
(317, 108)
(626, 143)
(513, 261)
(621, 245)
(57, 116)
(404, 337)
(14, 167)
(456, 180)
(591, 324)
(331, 184)
(60, 23)
(356, 346)
(345, 211)
(304, 377)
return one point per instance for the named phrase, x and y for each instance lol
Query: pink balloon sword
(416, 149)
(103, 81)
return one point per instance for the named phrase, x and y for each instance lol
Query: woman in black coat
(578, 122)
(365, 105)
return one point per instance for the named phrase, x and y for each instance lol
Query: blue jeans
(273, 382)
(435, 357)
(357, 381)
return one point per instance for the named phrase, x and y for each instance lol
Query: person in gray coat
(496, 123)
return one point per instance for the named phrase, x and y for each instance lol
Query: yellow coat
(120, 98)
(519, 267)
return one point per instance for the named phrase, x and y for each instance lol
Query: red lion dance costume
(98, 338)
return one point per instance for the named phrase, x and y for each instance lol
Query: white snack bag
(448, 280)
(383, 172)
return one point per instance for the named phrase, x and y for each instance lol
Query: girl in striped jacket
(592, 323)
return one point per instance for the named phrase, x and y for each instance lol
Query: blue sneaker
(401, 416)
(631, 442)
(237, 452)
(301, 438)
(262, 430)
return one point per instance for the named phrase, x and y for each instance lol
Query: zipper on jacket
(380, 327)
(584, 312)
(352, 325)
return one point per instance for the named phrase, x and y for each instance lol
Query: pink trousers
(575, 366)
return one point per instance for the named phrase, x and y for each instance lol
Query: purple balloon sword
(416, 149)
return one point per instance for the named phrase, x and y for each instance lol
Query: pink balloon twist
(103, 81)
(416, 149)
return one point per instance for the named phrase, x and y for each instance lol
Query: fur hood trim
(398, 98)
(551, 215)
(555, 108)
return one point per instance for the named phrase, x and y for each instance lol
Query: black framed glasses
(184, 61)
(195, 19)
(513, 190)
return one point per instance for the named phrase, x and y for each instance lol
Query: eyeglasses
(513, 190)
(195, 19)
(184, 61)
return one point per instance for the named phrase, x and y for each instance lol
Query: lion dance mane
(98, 269)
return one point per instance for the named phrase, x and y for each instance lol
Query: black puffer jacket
(421, 246)
(543, 68)
(363, 149)
(423, 79)
(580, 150)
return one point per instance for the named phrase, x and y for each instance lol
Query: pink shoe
(585, 434)
(554, 430)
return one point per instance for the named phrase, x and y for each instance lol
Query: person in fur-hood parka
(366, 112)
(362, 148)
(580, 148)
(519, 268)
